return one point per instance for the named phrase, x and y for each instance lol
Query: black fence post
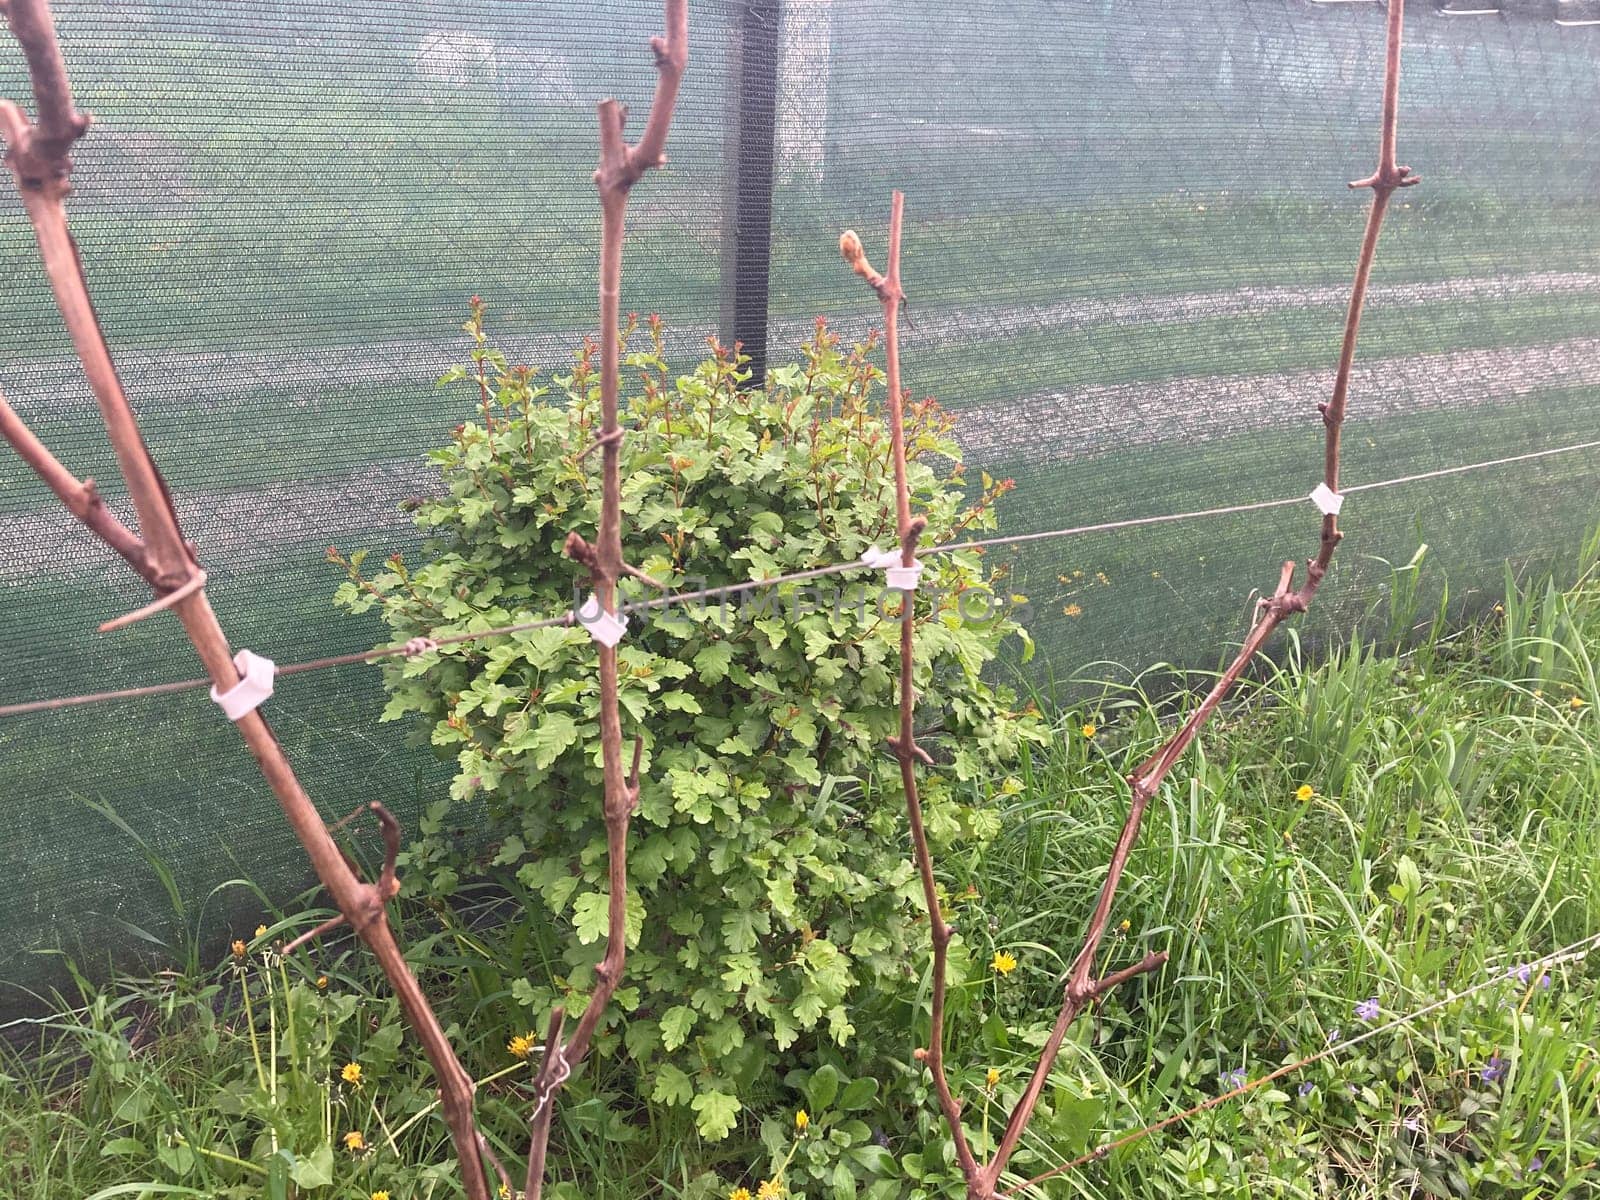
(747, 206)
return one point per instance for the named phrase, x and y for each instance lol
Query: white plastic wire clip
(255, 686)
(901, 578)
(1328, 501)
(605, 628)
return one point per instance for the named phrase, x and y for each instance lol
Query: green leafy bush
(770, 888)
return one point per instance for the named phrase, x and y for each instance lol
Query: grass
(1451, 835)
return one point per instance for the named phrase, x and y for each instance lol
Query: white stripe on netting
(1225, 510)
(735, 589)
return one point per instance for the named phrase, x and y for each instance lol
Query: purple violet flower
(1307, 1088)
(1494, 1069)
(1368, 1010)
(1523, 973)
(1229, 1080)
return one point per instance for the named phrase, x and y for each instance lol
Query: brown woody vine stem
(1285, 601)
(904, 744)
(980, 1178)
(81, 497)
(621, 166)
(1082, 988)
(37, 156)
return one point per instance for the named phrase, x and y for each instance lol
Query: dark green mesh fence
(1128, 248)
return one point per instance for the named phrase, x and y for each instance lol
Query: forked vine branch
(621, 166)
(1082, 987)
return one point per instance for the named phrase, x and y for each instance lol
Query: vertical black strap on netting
(747, 232)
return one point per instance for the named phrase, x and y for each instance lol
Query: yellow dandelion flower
(1073, 610)
(261, 931)
(351, 1074)
(380, 1195)
(802, 1121)
(238, 948)
(1575, 703)
(1538, 693)
(1089, 729)
(1003, 962)
(739, 1193)
(1304, 792)
(770, 1189)
(991, 1078)
(1125, 926)
(520, 1046)
(322, 983)
(354, 1142)
(505, 1192)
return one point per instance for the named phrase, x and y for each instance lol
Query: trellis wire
(838, 568)
(1573, 952)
